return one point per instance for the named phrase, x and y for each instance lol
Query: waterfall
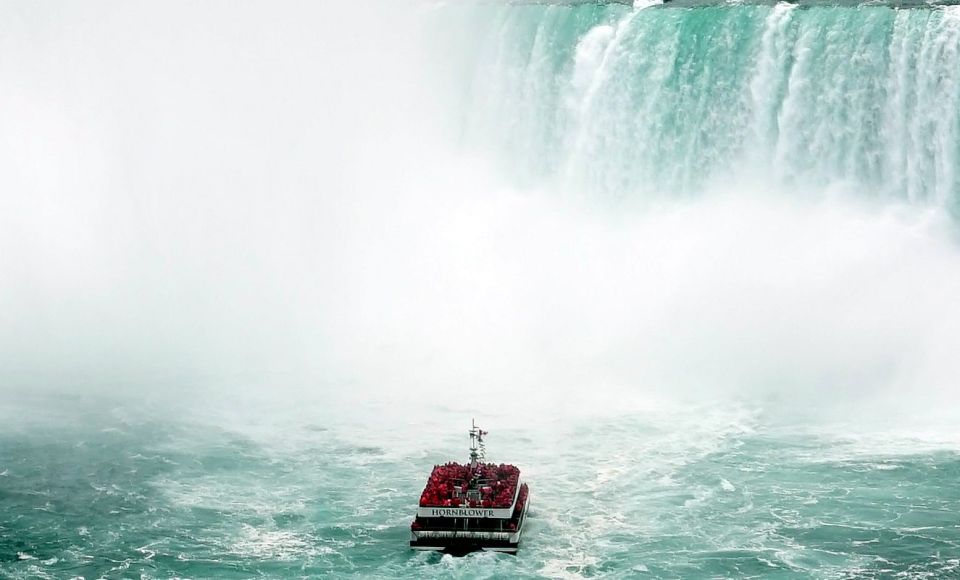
(669, 100)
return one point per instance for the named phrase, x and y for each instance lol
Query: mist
(248, 197)
(178, 182)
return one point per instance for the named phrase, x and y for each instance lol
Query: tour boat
(473, 506)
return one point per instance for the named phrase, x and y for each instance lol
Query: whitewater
(694, 266)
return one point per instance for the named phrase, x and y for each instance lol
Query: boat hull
(459, 542)
(461, 546)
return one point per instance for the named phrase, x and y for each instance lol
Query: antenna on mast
(478, 450)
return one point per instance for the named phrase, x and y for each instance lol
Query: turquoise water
(694, 268)
(110, 490)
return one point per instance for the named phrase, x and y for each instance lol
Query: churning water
(695, 267)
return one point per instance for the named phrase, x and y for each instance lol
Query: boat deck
(486, 485)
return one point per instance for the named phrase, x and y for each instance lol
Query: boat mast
(477, 449)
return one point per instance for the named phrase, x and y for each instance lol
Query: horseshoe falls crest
(695, 266)
(669, 101)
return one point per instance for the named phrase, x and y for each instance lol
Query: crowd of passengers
(449, 483)
(514, 518)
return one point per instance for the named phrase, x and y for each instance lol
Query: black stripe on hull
(463, 546)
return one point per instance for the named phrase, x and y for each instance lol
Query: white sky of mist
(172, 174)
(214, 191)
